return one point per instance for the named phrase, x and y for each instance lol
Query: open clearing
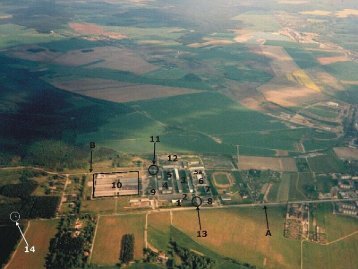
(107, 57)
(94, 30)
(291, 85)
(292, 2)
(346, 153)
(110, 230)
(240, 234)
(284, 188)
(328, 163)
(277, 164)
(316, 12)
(211, 42)
(116, 91)
(281, 63)
(340, 250)
(340, 255)
(289, 96)
(303, 79)
(332, 59)
(98, 57)
(38, 234)
(159, 230)
(326, 81)
(347, 12)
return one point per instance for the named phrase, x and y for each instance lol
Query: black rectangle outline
(108, 173)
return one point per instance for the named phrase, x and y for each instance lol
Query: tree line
(127, 248)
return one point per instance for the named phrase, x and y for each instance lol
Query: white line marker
(15, 217)
(23, 236)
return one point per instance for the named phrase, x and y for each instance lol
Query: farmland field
(261, 94)
(246, 224)
(284, 187)
(159, 230)
(323, 111)
(38, 233)
(291, 187)
(264, 163)
(346, 153)
(107, 243)
(340, 250)
(326, 163)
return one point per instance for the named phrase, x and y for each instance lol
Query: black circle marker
(196, 201)
(153, 169)
(15, 216)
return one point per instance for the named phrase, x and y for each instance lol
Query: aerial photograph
(179, 134)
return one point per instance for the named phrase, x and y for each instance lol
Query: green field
(318, 144)
(269, 140)
(343, 70)
(242, 238)
(159, 230)
(294, 186)
(328, 163)
(15, 34)
(323, 111)
(303, 58)
(340, 251)
(212, 59)
(284, 188)
(222, 179)
(186, 127)
(107, 243)
(207, 122)
(39, 233)
(246, 224)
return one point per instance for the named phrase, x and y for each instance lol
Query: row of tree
(127, 248)
(190, 259)
(70, 247)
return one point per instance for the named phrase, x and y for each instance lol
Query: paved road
(190, 208)
(43, 170)
(229, 206)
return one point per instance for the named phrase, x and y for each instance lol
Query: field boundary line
(94, 238)
(146, 230)
(17, 247)
(297, 189)
(302, 241)
(339, 239)
(325, 244)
